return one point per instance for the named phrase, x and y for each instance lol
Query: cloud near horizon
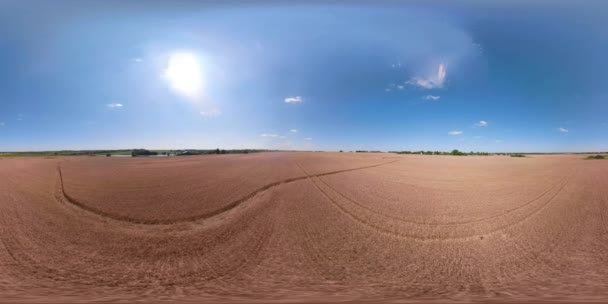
(114, 105)
(293, 131)
(432, 82)
(294, 99)
(455, 132)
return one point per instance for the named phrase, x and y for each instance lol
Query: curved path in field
(197, 217)
(304, 227)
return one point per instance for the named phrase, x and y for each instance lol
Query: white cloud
(432, 82)
(293, 131)
(308, 138)
(455, 132)
(400, 87)
(295, 99)
(477, 137)
(272, 135)
(211, 113)
(431, 97)
(138, 60)
(563, 130)
(114, 105)
(481, 123)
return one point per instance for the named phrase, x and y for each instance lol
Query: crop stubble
(304, 226)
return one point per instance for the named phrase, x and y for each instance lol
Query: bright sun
(184, 74)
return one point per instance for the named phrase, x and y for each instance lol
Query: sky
(494, 76)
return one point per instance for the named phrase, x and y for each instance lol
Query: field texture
(278, 227)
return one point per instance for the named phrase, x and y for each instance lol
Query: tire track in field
(560, 184)
(230, 206)
(393, 233)
(225, 256)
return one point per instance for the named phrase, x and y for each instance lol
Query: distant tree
(108, 155)
(142, 152)
(217, 151)
(341, 151)
(456, 152)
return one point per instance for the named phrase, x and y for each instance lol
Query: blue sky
(393, 75)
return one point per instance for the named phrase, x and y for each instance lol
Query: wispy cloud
(455, 132)
(114, 105)
(293, 131)
(137, 59)
(563, 130)
(211, 113)
(272, 135)
(431, 82)
(431, 97)
(498, 140)
(481, 123)
(308, 138)
(394, 87)
(294, 99)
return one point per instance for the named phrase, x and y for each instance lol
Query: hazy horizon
(388, 75)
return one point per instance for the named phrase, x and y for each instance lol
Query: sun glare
(184, 74)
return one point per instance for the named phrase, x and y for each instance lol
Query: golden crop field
(285, 226)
